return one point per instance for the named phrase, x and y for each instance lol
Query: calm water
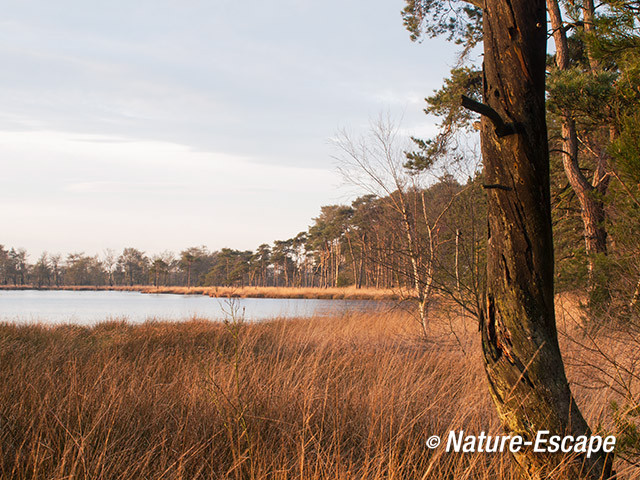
(57, 306)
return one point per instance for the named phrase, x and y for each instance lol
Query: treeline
(362, 244)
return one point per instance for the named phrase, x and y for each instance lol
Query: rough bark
(522, 358)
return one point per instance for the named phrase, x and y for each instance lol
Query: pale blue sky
(164, 124)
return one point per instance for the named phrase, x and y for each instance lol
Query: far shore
(333, 293)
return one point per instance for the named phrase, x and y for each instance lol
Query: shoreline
(331, 293)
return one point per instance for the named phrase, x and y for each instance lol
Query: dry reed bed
(334, 293)
(352, 397)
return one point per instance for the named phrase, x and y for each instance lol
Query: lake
(90, 307)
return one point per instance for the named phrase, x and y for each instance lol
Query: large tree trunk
(522, 357)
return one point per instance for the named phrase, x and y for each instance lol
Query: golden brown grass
(350, 293)
(351, 397)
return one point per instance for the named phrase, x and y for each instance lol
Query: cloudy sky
(164, 124)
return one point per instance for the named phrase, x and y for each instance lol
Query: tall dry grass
(351, 397)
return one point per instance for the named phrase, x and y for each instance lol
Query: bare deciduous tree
(375, 163)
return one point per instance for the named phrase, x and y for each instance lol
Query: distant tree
(42, 271)
(260, 261)
(327, 238)
(187, 259)
(364, 235)
(282, 262)
(81, 269)
(158, 269)
(230, 268)
(16, 265)
(55, 263)
(162, 265)
(134, 264)
(301, 259)
(109, 262)
(4, 265)
(195, 262)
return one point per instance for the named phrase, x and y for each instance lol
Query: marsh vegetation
(347, 397)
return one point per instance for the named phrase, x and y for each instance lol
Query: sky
(165, 124)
